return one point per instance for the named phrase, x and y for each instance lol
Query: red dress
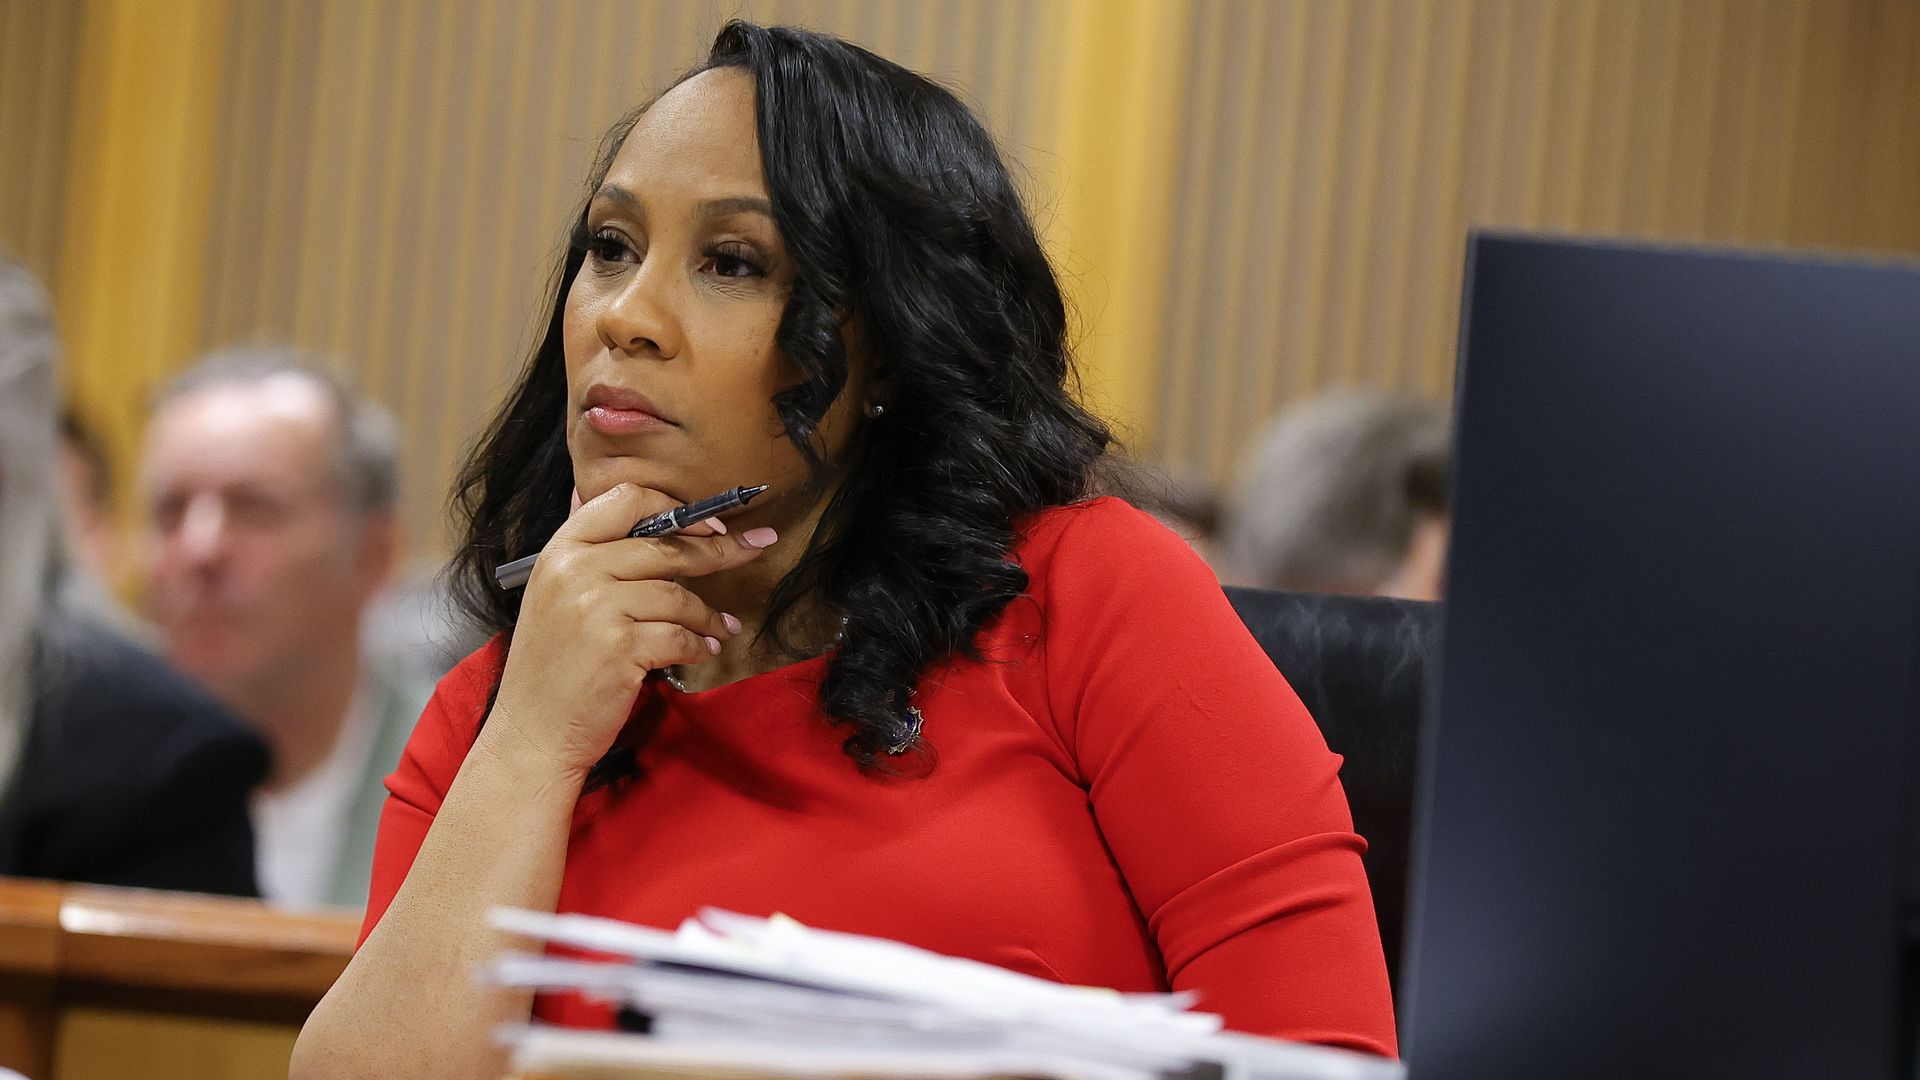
(1126, 794)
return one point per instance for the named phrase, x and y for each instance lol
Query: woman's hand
(601, 611)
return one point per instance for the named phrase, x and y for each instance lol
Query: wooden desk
(80, 962)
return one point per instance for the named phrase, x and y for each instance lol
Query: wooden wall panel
(1395, 125)
(391, 181)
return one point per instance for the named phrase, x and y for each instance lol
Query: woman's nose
(641, 317)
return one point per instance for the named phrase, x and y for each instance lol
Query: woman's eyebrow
(737, 204)
(614, 193)
(742, 204)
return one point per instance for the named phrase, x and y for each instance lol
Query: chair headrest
(1359, 664)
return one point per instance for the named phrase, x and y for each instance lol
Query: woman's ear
(879, 388)
(871, 380)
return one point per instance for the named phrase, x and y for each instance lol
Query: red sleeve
(427, 767)
(1212, 785)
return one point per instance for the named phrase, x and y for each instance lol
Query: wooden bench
(101, 984)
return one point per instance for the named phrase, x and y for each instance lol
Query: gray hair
(368, 442)
(1325, 501)
(32, 552)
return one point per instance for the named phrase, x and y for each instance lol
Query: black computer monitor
(1669, 771)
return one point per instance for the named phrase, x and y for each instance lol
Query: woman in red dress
(929, 687)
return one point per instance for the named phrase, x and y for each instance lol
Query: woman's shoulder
(1104, 537)
(462, 696)
(448, 726)
(479, 671)
(1104, 520)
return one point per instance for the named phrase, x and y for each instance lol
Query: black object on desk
(1670, 771)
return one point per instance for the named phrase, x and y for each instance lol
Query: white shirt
(297, 830)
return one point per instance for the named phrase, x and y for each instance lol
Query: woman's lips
(608, 420)
(619, 410)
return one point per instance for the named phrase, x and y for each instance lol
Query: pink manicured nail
(713, 646)
(574, 503)
(759, 538)
(717, 525)
(733, 624)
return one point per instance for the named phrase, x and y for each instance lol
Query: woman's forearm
(408, 1004)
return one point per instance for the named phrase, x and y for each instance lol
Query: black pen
(515, 574)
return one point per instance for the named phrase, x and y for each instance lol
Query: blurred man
(270, 527)
(1344, 494)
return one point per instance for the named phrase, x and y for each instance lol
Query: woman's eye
(608, 247)
(732, 264)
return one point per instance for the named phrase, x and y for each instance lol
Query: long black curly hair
(901, 218)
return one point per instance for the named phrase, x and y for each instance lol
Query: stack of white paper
(738, 996)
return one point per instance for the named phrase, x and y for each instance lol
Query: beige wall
(1336, 154)
(1254, 200)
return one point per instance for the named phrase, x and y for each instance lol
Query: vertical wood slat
(1224, 270)
(1572, 112)
(51, 123)
(234, 246)
(18, 73)
(1651, 108)
(1285, 103)
(1614, 74)
(340, 289)
(415, 334)
(1314, 223)
(1899, 129)
(559, 147)
(509, 299)
(1428, 114)
(468, 216)
(1115, 217)
(1358, 216)
(1696, 107)
(396, 123)
(1440, 262)
(1193, 230)
(1536, 38)
(282, 179)
(1895, 48)
(321, 207)
(1783, 123)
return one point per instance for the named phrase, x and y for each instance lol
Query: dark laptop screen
(1667, 767)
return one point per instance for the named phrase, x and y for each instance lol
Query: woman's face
(669, 327)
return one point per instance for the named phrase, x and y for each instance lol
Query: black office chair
(1359, 664)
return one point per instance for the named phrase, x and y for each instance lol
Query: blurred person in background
(270, 527)
(1423, 574)
(1344, 494)
(113, 769)
(417, 626)
(1180, 499)
(86, 497)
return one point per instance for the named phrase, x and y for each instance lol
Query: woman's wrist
(505, 745)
